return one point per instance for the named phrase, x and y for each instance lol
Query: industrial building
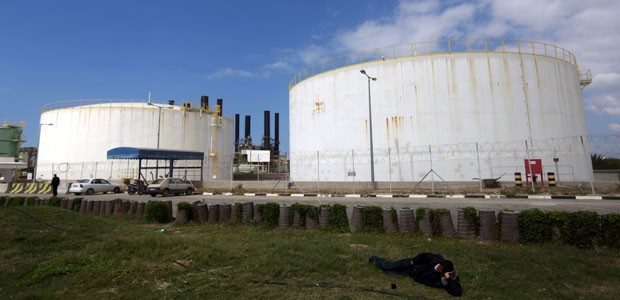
(453, 111)
(10, 141)
(76, 136)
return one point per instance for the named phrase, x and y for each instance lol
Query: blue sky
(245, 52)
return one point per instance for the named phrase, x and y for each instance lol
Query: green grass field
(51, 253)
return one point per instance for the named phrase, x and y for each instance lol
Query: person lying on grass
(426, 268)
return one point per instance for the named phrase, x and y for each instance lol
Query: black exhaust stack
(220, 104)
(276, 129)
(247, 138)
(266, 137)
(236, 133)
(204, 102)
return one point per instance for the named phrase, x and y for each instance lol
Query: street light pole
(372, 159)
(158, 131)
(36, 158)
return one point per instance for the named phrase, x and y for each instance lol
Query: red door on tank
(534, 171)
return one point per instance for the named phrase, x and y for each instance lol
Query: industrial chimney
(220, 104)
(236, 133)
(247, 138)
(204, 102)
(266, 137)
(276, 128)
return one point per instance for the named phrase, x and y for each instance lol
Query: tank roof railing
(82, 102)
(104, 102)
(436, 47)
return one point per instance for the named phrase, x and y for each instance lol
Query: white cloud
(615, 127)
(605, 81)
(587, 28)
(228, 72)
(412, 21)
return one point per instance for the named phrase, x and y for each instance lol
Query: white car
(94, 185)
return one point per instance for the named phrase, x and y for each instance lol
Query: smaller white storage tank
(76, 135)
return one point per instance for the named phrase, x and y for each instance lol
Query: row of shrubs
(583, 229)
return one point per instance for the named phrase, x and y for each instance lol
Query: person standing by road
(55, 184)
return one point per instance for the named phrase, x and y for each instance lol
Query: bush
(156, 211)
(270, 213)
(238, 190)
(183, 205)
(338, 220)
(303, 210)
(17, 201)
(583, 229)
(419, 213)
(54, 201)
(534, 226)
(3, 200)
(435, 218)
(394, 216)
(372, 219)
(471, 215)
(75, 203)
(610, 227)
(239, 208)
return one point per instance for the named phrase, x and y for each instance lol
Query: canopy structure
(148, 154)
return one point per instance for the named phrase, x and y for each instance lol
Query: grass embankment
(50, 253)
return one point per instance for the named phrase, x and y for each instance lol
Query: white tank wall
(82, 135)
(447, 101)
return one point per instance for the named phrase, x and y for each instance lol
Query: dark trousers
(55, 190)
(400, 267)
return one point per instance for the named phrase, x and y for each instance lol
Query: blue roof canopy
(143, 153)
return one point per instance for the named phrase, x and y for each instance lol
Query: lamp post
(36, 158)
(372, 160)
(158, 131)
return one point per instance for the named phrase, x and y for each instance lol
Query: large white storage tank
(76, 135)
(455, 110)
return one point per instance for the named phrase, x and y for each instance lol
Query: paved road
(599, 206)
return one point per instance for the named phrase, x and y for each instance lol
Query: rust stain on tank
(453, 79)
(537, 76)
(366, 128)
(387, 129)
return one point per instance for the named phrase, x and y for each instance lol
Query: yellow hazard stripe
(16, 188)
(45, 188)
(30, 188)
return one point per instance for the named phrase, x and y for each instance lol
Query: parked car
(94, 185)
(167, 186)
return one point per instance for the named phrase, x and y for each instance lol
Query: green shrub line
(471, 215)
(156, 211)
(372, 219)
(420, 212)
(270, 213)
(582, 229)
(435, 218)
(338, 220)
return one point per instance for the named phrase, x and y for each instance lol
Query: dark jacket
(55, 181)
(423, 271)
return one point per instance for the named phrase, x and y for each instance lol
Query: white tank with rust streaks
(462, 114)
(76, 145)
